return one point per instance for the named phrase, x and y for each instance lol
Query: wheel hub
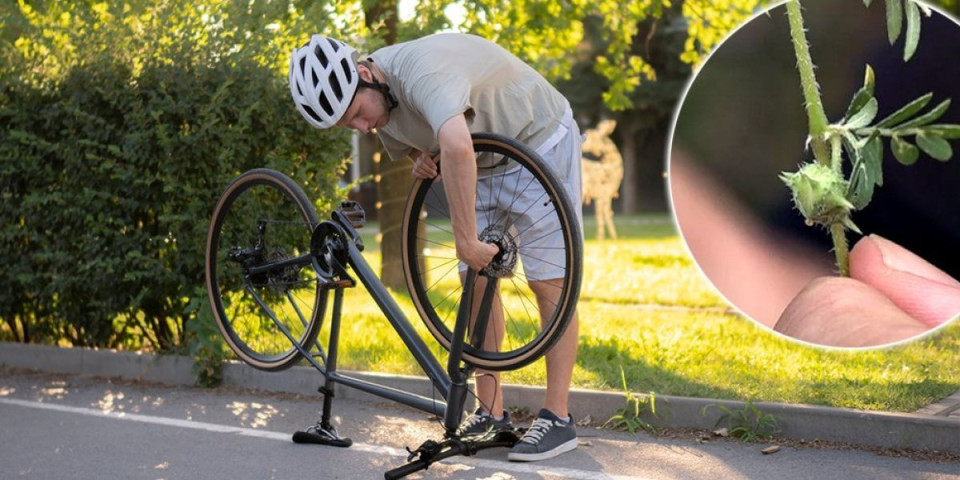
(505, 261)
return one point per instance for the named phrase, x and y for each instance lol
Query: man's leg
(563, 356)
(489, 415)
(489, 391)
(552, 432)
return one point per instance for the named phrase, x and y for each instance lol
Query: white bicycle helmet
(323, 80)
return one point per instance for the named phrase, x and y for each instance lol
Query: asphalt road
(61, 426)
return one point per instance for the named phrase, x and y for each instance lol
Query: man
(430, 94)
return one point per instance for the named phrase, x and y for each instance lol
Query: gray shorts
(536, 227)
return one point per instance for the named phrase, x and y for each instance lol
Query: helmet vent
(325, 104)
(346, 70)
(318, 52)
(334, 44)
(335, 85)
(312, 114)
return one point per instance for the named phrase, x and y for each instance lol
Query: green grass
(646, 308)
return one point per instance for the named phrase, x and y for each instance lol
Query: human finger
(423, 170)
(844, 312)
(918, 288)
(425, 167)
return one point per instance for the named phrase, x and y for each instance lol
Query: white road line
(531, 468)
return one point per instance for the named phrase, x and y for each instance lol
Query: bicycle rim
(263, 217)
(507, 173)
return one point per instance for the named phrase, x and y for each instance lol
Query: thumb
(920, 289)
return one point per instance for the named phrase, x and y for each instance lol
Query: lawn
(646, 309)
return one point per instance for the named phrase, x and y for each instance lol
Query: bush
(108, 179)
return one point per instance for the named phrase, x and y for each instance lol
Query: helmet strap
(383, 88)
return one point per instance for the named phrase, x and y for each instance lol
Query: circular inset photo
(814, 170)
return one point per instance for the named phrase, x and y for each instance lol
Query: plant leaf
(872, 154)
(913, 29)
(935, 146)
(858, 101)
(860, 188)
(864, 116)
(906, 111)
(865, 172)
(945, 130)
(867, 3)
(905, 152)
(926, 118)
(894, 20)
(863, 95)
(869, 78)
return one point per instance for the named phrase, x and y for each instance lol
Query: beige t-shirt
(440, 76)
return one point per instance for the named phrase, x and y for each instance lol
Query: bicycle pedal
(323, 435)
(354, 213)
(321, 439)
(427, 450)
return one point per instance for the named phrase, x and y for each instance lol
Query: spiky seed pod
(818, 192)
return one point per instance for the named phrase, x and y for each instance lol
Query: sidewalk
(936, 427)
(947, 408)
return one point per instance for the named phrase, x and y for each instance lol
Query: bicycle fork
(459, 374)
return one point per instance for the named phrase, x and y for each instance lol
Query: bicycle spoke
(519, 207)
(263, 219)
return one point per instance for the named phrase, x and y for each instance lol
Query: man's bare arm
(460, 184)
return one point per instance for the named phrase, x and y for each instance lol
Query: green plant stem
(817, 119)
(840, 249)
(808, 81)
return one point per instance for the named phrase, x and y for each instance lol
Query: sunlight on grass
(645, 271)
(645, 307)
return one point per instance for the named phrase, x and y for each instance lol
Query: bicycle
(271, 266)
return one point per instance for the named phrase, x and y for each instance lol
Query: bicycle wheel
(521, 207)
(261, 218)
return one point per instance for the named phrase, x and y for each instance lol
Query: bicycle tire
(426, 269)
(270, 200)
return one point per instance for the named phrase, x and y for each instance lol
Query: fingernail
(900, 259)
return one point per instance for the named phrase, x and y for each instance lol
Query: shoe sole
(534, 457)
(492, 431)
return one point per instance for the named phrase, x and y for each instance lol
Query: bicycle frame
(336, 247)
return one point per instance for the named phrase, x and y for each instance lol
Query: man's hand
(892, 295)
(425, 167)
(476, 254)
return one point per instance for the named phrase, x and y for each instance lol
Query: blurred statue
(602, 174)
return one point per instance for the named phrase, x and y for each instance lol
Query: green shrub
(108, 179)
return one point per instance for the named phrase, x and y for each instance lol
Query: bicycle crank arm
(431, 452)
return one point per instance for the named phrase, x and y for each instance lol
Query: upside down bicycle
(271, 266)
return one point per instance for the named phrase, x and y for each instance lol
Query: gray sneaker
(481, 423)
(547, 437)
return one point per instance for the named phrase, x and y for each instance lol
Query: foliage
(551, 35)
(710, 22)
(629, 417)
(112, 158)
(820, 191)
(748, 423)
(206, 345)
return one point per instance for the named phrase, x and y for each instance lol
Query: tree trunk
(628, 188)
(392, 188)
(394, 176)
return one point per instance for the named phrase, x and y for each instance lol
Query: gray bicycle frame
(451, 384)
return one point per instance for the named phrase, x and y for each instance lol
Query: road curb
(916, 431)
